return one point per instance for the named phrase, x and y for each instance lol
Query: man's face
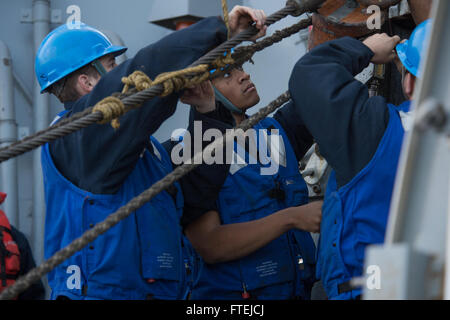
(237, 87)
(108, 62)
(408, 84)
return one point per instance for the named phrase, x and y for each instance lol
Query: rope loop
(138, 79)
(226, 17)
(223, 61)
(111, 108)
(177, 80)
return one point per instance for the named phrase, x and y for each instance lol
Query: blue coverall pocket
(268, 266)
(296, 192)
(160, 243)
(331, 268)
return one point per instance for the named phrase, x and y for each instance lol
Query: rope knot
(111, 108)
(224, 61)
(138, 79)
(171, 82)
(177, 80)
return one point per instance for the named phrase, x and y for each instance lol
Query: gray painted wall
(129, 20)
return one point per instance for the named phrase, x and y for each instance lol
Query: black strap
(5, 229)
(4, 253)
(10, 276)
(2, 261)
(345, 287)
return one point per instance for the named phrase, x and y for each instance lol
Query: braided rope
(35, 274)
(225, 17)
(138, 79)
(134, 98)
(111, 108)
(177, 80)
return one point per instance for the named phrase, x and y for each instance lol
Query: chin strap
(99, 67)
(227, 103)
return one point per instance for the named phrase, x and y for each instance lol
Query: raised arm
(77, 155)
(99, 158)
(336, 108)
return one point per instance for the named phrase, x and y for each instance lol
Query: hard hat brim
(401, 52)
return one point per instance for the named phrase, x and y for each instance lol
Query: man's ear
(84, 84)
(409, 83)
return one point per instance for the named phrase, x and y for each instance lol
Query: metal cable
(243, 54)
(35, 274)
(85, 118)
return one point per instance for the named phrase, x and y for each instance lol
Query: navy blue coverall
(94, 171)
(98, 158)
(336, 108)
(201, 186)
(360, 137)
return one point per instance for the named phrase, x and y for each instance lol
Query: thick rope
(177, 80)
(138, 79)
(111, 108)
(226, 17)
(34, 275)
(37, 273)
(85, 119)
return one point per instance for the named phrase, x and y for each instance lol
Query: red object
(2, 197)
(9, 252)
(151, 280)
(183, 24)
(245, 295)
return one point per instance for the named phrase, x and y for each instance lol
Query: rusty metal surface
(339, 18)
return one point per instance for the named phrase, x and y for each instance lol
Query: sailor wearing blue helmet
(361, 138)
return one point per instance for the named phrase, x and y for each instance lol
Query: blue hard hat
(67, 49)
(413, 50)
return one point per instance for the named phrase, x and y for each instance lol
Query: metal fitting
(317, 189)
(304, 6)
